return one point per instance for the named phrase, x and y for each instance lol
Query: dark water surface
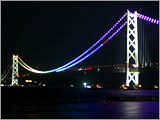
(109, 110)
(49, 103)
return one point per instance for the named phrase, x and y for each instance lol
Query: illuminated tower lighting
(132, 41)
(15, 71)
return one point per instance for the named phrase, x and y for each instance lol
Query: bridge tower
(15, 70)
(132, 49)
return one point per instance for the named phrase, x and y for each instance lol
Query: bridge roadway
(121, 69)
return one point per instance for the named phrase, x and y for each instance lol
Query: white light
(84, 83)
(88, 86)
(134, 65)
(71, 85)
(80, 69)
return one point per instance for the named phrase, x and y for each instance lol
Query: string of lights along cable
(23, 64)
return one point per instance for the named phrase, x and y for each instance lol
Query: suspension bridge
(132, 50)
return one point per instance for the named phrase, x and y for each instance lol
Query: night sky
(49, 34)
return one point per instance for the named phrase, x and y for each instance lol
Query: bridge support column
(15, 70)
(132, 49)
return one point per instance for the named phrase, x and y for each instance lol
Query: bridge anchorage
(132, 75)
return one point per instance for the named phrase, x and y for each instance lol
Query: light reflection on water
(142, 109)
(108, 110)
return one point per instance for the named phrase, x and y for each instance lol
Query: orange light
(140, 86)
(28, 80)
(122, 85)
(155, 86)
(98, 86)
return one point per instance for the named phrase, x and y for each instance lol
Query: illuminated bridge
(135, 56)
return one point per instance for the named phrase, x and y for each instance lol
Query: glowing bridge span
(131, 19)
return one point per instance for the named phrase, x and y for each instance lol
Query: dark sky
(50, 34)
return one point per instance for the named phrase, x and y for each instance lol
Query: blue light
(140, 16)
(85, 84)
(116, 31)
(157, 22)
(80, 59)
(147, 18)
(152, 20)
(90, 47)
(67, 66)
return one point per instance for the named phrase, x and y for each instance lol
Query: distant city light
(28, 81)
(140, 86)
(71, 85)
(88, 86)
(156, 86)
(85, 85)
(80, 69)
(98, 86)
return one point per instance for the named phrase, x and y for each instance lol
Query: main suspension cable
(2, 78)
(146, 18)
(7, 68)
(49, 71)
(93, 50)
